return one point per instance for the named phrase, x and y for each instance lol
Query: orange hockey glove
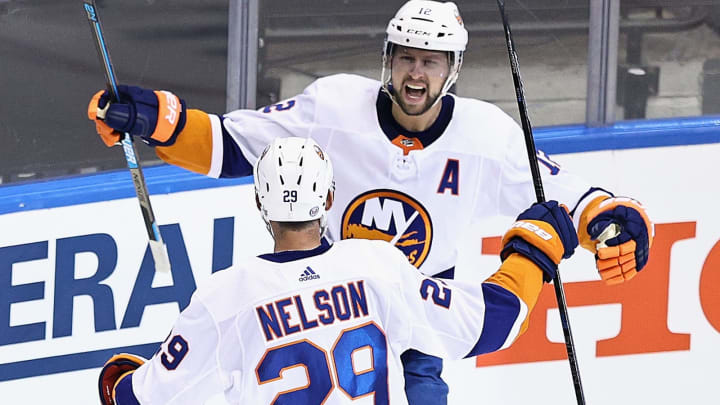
(119, 366)
(108, 135)
(155, 116)
(543, 233)
(622, 250)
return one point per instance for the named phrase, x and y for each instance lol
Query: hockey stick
(540, 194)
(157, 247)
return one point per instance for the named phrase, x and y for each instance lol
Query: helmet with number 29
(293, 178)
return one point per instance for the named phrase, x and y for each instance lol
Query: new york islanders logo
(391, 216)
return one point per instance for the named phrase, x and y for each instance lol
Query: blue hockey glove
(543, 233)
(626, 252)
(155, 116)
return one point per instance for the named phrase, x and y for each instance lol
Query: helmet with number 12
(427, 25)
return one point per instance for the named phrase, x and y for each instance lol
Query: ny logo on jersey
(391, 216)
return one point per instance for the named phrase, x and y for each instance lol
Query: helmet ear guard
(428, 25)
(293, 178)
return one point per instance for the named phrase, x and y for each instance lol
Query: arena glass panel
(668, 59)
(306, 40)
(49, 70)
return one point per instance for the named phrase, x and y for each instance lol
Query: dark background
(49, 68)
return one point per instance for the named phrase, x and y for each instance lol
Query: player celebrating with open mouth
(417, 166)
(423, 75)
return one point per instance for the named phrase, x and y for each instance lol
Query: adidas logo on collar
(308, 274)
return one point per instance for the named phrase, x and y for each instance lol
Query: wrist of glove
(115, 369)
(543, 233)
(155, 116)
(620, 257)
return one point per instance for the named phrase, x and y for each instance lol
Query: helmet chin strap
(323, 225)
(268, 226)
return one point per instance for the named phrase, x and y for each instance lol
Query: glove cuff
(520, 246)
(587, 213)
(540, 234)
(171, 117)
(123, 389)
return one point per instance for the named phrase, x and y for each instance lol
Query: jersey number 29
(318, 366)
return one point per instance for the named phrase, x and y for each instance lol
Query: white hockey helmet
(429, 25)
(293, 177)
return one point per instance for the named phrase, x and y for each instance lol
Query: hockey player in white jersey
(418, 166)
(317, 323)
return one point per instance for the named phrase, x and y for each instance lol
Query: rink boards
(76, 280)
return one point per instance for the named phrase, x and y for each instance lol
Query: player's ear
(257, 202)
(329, 200)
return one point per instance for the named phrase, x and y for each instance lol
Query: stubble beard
(415, 110)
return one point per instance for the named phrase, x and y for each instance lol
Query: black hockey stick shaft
(131, 157)
(540, 194)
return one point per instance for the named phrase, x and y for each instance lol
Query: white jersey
(325, 326)
(421, 202)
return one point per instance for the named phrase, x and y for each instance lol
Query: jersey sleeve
(186, 368)
(252, 130)
(453, 319)
(516, 185)
(229, 145)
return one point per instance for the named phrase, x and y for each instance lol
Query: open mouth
(414, 92)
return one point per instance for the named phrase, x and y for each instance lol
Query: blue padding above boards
(629, 135)
(105, 186)
(166, 179)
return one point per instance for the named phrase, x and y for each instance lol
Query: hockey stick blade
(157, 247)
(539, 193)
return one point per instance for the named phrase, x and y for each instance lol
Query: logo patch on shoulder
(391, 216)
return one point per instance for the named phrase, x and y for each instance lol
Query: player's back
(328, 326)
(312, 326)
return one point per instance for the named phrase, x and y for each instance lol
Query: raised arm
(454, 319)
(210, 144)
